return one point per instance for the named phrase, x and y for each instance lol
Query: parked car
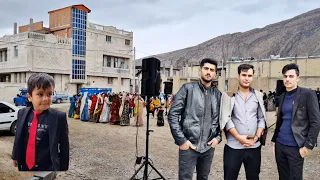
(59, 97)
(8, 117)
(21, 99)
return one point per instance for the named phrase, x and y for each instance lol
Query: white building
(75, 52)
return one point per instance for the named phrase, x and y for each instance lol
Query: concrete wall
(37, 52)
(10, 90)
(62, 84)
(50, 55)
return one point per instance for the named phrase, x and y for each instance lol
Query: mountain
(298, 36)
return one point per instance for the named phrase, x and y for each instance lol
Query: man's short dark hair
(245, 68)
(290, 67)
(208, 60)
(40, 80)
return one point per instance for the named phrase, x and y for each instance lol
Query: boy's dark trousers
(233, 159)
(190, 159)
(289, 162)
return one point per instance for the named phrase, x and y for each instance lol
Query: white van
(8, 117)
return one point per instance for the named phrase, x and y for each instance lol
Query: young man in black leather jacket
(194, 122)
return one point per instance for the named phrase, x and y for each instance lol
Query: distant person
(297, 125)
(318, 95)
(194, 122)
(41, 142)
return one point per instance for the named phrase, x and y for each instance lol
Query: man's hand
(273, 148)
(303, 152)
(213, 142)
(250, 142)
(243, 139)
(187, 145)
(15, 163)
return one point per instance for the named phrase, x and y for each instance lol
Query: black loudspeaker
(168, 87)
(280, 88)
(150, 85)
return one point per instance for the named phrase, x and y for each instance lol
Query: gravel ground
(103, 151)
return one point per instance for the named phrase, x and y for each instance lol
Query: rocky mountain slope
(298, 36)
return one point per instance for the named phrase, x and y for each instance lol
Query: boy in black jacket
(41, 141)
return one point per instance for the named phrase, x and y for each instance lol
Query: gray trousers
(190, 159)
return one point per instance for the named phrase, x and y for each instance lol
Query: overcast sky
(164, 25)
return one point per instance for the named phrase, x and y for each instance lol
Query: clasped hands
(246, 140)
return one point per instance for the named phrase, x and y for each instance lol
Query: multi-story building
(77, 53)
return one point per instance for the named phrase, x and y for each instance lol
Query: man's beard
(205, 80)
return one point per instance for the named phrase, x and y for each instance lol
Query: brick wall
(37, 26)
(60, 18)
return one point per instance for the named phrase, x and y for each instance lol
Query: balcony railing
(115, 70)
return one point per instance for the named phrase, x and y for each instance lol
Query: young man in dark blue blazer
(297, 126)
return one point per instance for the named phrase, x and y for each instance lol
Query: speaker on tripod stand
(167, 90)
(150, 87)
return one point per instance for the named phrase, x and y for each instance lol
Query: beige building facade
(77, 53)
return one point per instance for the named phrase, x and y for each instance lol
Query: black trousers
(233, 159)
(190, 159)
(289, 162)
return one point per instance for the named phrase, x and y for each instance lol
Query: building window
(122, 82)
(3, 55)
(122, 64)
(79, 22)
(15, 51)
(108, 38)
(106, 61)
(78, 69)
(5, 78)
(110, 80)
(115, 63)
(127, 42)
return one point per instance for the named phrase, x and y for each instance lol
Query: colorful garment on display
(77, 111)
(97, 111)
(125, 119)
(139, 115)
(72, 107)
(84, 113)
(115, 119)
(105, 115)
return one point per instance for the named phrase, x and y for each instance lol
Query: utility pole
(134, 70)
(222, 78)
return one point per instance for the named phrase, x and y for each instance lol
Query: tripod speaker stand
(150, 86)
(146, 162)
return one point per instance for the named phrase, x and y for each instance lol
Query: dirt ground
(104, 151)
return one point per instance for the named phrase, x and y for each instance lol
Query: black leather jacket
(187, 112)
(305, 122)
